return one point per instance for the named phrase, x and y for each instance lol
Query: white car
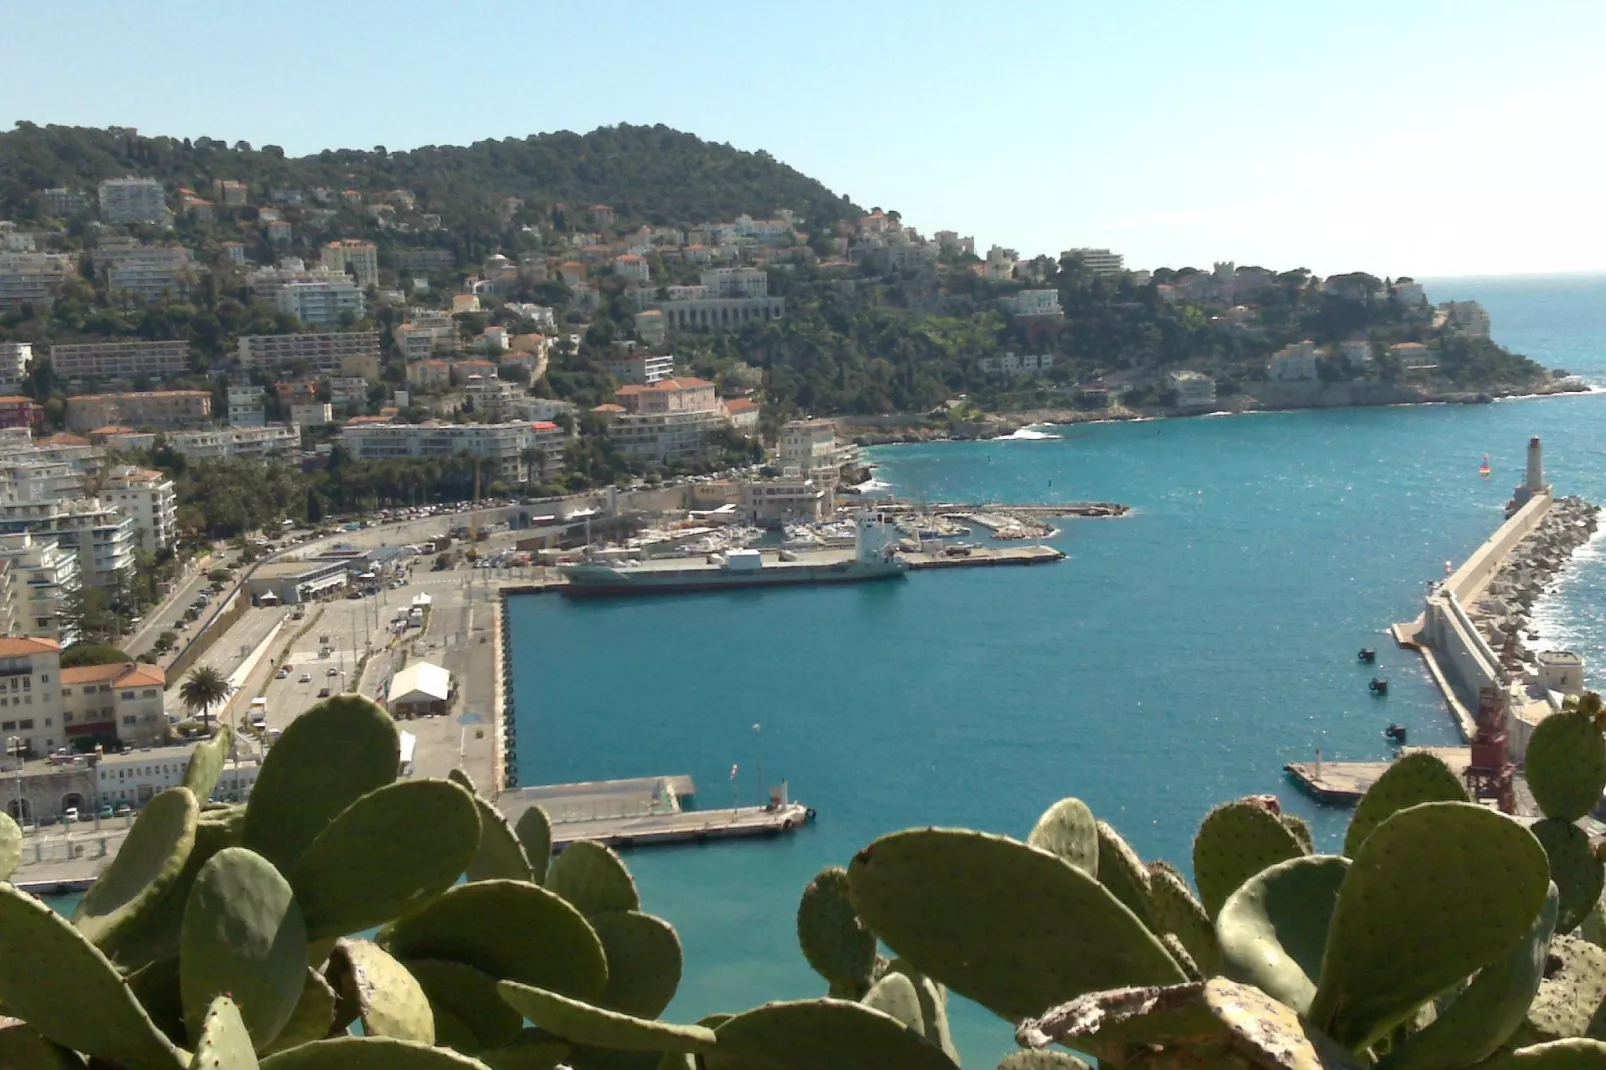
(306, 678)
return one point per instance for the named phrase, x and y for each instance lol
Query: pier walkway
(1343, 783)
(646, 811)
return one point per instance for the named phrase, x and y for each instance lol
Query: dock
(1343, 783)
(982, 556)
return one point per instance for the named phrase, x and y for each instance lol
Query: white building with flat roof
(329, 352)
(133, 200)
(246, 406)
(225, 443)
(321, 302)
(509, 446)
(1034, 304)
(1098, 261)
(120, 360)
(33, 278)
(43, 576)
(147, 496)
(355, 257)
(1294, 363)
(1193, 390)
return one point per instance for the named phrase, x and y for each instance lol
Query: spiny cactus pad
(508, 929)
(644, 962)
(469, 1015)
(593, 879)
(150, 860)
(1123, 873)
(388, 853)
(1570, 995)
(531, 1050)
(1578, 874)
(1574, 1053)
(1069, 829)
(1273, 929)
(1415, 778)
(535, 833)
(23, 1048)
(327, 759)
(312, 1018)
(224, 1044)
(387, 999)
(10, 846)
(243, 936)
(1566, 765)
(66, 990)
(1487, 1012)
(1176, 911)
(156, 986)
(1300, 829)
(154, 934)
(894, 995)
(933, 1007)
(582, 1023)
(206, 763)
(500, 855)
(812, 1034)
(1236, 841)
(369, 1053)
(1213, 1023)
(1418, 912)
(834, 941)
(1012, 927)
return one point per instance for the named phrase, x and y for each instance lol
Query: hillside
(651, 174)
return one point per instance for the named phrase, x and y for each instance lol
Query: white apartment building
(43, 576)
(790, 498)
(322, 302)
(137, 778)
(61, 202)
(102, 537)
(146, 271)
(808, 448)
(27, 478)
(1294, 363)
(33, 278)
(133, 200)
(1030, 303)
(14, 358)
(120, 360)
(245, 406)
(736, 282)
(509, 446)
(1018, 363)
(30, 694)
(225, 443)
(712, 313)
(1098, 261)
(1194, 390)
(311, 414)
(667, 421)
(642, 368)
(632, 267)
(354, 256)
(348, 390)
(330, 352)
(121, 703)
(147, 497)
(651, 327)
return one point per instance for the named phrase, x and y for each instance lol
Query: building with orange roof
(572, 272)
(148, 497)
(742, 412)
(30, 698)
(118, 704)
(17, 411)
(429, 374)
(632, 267)
(61, 438)
(156, 409)
(675, 419)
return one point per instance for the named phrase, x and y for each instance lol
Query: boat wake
(1027, 434)
(871, 485)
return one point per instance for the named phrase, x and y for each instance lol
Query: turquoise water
(1181, 656)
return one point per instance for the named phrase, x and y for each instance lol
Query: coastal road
(165, 615)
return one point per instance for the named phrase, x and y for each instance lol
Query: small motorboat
(1367, 656)
(1379, 687)
(1395, 732)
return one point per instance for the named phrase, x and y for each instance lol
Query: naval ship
(874, 558)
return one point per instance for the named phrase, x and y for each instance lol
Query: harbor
(1343, 783)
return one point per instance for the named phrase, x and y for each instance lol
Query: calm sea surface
(1180, 657)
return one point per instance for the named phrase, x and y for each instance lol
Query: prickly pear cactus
(151, 858)
(1566, 765)
(10, 846)
(593, 879)
(1176, 911)
(224, 1043)
(1415, 778)
(1569, 996)
(1578, 874)
(1273, 929)
(644, 962)
(1069, 829)
(535, 833)
(818, 1033)
(583, 1023)
(1122, 872)
(835, 942)
(1236, 841)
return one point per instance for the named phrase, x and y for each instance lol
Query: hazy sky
(1409, 137)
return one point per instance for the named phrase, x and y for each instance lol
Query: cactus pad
(535, 833)
(150, 860)
(374, 988)
(1574, 1053)
(68, 992)
(1573, 989)
(1273, 930)
(895, 996)
(644, 962)
(834, 940)
(10, 846)
(1008, 925)
(1069, 829)
(812, 1034)
(582, 1023)
(243, 936)
(1213, 1023)
(1236, 841)
(369, 1053)
(535, 1050)
(500, 855)
(1578, 874)
(24, 1049)
(1417, 913)
(1300, 829)
(206, 763)
(507, 929)
(1176, 911)
(224, 1042)
(154, 934)
(1042, 1060)
(313, 1017)
(387, 854)
(933, 1007)
(1487, 1012)
(592, 879)
(1566, 765)
(1122, 872)
(469, 1015)
(1418, 777)
(327, 759)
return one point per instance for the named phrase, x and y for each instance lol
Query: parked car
(70, 814)
(306, 678)
(323, 692)
(332, 671)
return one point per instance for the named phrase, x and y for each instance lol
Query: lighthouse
(1533, 482)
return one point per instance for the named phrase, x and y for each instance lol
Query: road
(166, 616)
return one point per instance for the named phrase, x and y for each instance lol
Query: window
(25, 725)
(67, 691)
(44, 677)
(148, 693)
(8, 726)
(130, 720)
(128, 694)
(47, 722)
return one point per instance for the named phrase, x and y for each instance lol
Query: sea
(1181, 656)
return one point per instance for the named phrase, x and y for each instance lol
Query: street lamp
(14, 748)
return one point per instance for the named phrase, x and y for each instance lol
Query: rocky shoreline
(913, 428)
(1505, 611)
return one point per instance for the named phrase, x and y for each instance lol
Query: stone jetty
(1504, 612)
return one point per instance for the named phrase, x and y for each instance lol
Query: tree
(202, 689)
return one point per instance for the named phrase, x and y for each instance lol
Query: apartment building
(321, 302)
(311, 414)
(329, 352)
(425, 261)
(715, 313)
(120, 360)
(226, 443)
(14, 358)
(147, 496)
(245, 406)
(1295, 362)
(355, 257)
(155, 409)
(736, 282)
(1193, 390)
(18, 411)
(121, 704)
(671, 420)
(25, 478)
(429, 374)
(139, 777)
(42, 577)
(510, 447)
(229, 193)
(350, 391)
(146, 272)
(61, 202)
(651, 327)
(809, 449)
(30, 694)
(102, 538)
(1098, 261)
(1018, 363)
(133, 200)
(641, 368)
(33, 278)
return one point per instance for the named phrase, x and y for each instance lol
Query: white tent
(422, 687)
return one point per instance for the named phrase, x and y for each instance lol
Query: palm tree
(202, 689)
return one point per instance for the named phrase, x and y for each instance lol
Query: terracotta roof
(14, 399)
(63, 439)
(681, 383)
(631, 258)
(543, 425)
(740, 405)
(630, 388)
(111, 429)
(23, 645)
(361, 420)
(609, 408)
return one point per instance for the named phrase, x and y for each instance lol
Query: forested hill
(649, 173)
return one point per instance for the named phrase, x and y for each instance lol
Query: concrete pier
(647, 811)
(1343, 783)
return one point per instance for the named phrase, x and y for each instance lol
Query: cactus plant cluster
(1444, 936)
